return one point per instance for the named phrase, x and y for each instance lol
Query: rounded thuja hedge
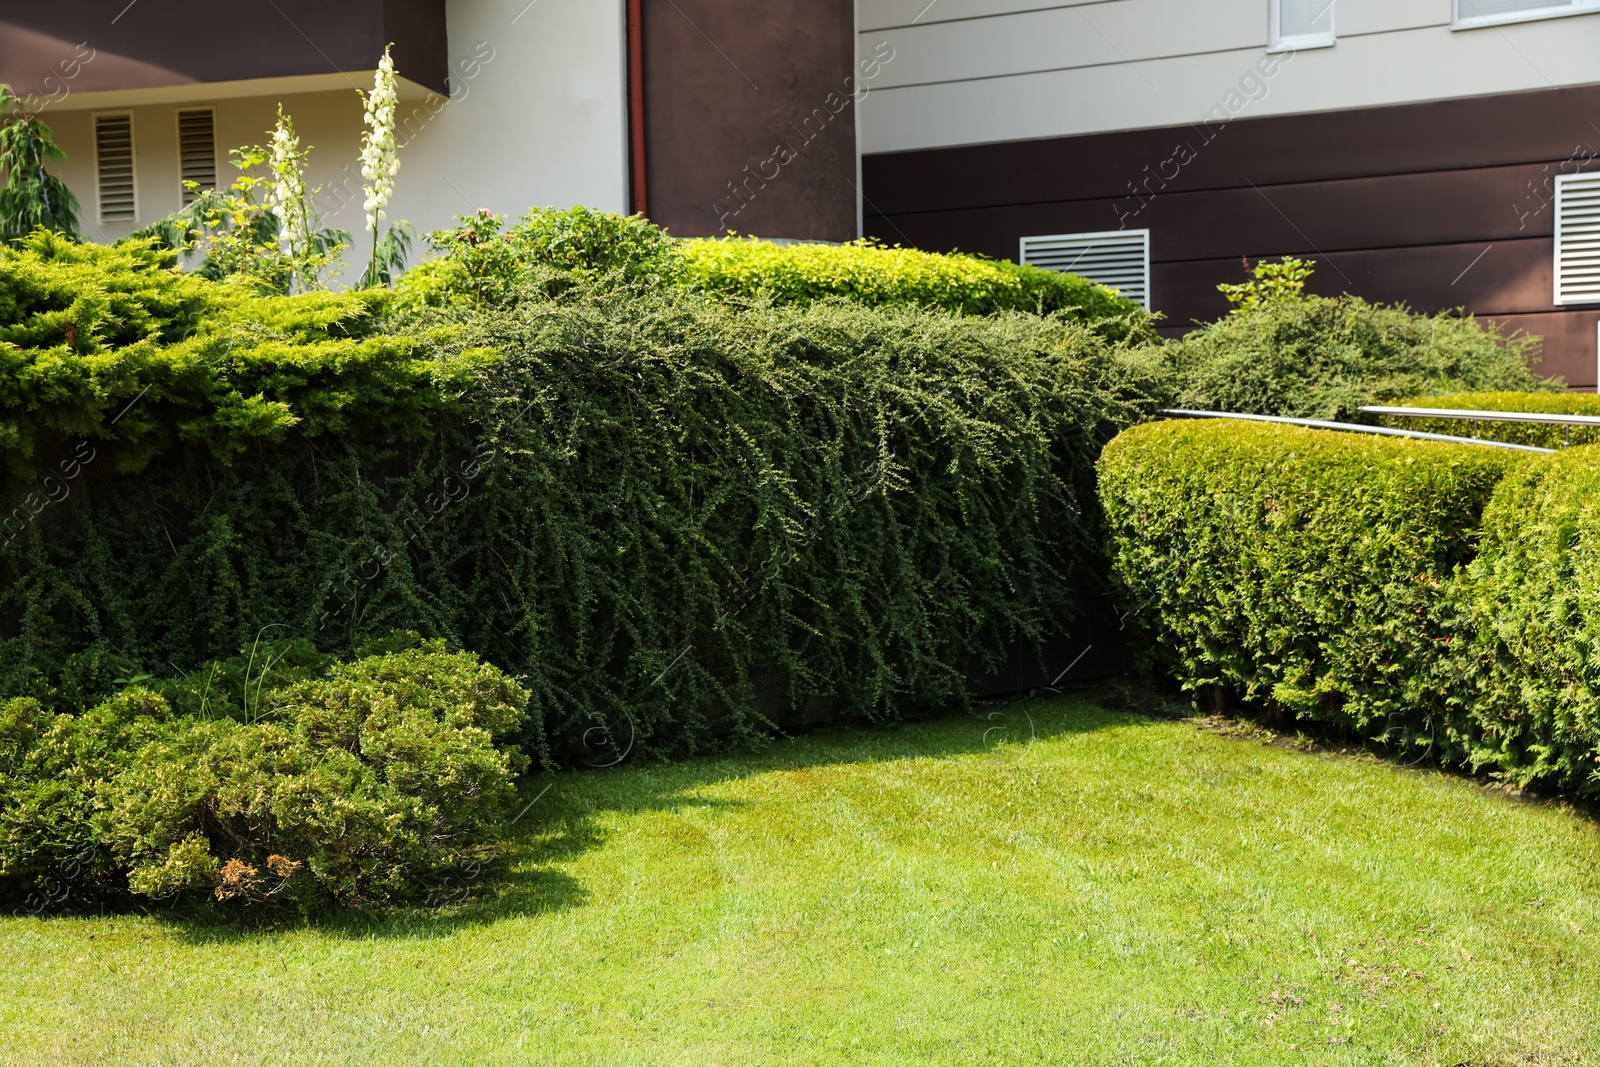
(1439, 598)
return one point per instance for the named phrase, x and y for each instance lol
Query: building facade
(1437, 152)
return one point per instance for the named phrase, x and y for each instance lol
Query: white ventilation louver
(1578, 239)
(1118, 258)
(113, 161)
(197, 151)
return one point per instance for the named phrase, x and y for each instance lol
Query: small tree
(32, 197)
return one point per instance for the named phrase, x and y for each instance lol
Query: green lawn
(1088, 887)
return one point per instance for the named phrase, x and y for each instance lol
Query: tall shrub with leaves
(32, 197)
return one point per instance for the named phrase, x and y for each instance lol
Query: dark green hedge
(669, 517)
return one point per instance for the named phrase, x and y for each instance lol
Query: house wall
(1443, 203)
(537, 116)
(979, 71)
(750, 121)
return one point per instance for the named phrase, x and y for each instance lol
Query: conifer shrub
(350, 788)
(1302, 570)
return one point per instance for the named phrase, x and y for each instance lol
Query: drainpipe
(641, 199)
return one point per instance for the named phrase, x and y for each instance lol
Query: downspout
(641, 199)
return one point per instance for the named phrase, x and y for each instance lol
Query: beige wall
(978, 71)
(537, 117)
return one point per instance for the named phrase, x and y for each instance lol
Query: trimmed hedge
(1443, 599)
(1299, 569)
(873, 274)
(1533, 597)
(1514, 432)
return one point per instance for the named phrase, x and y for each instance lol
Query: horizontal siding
(1437, 205)
(1060, 71)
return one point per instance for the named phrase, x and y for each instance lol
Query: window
(197, 150)
(113, 167)
(1578, 239)
(1117, 258)
(1473, 13)
(1303, 24)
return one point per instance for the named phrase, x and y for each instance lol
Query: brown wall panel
(748, 119)
(181, 42)
(1569, 343)
(1436, 205)
(1544, 126)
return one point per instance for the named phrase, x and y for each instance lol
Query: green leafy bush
(1301, 569)
(1324, 357)
(347, 788)
(873, 274)
(1521, 433)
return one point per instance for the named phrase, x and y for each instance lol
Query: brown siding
(181, 42)
(725, 87)
(1439, 205)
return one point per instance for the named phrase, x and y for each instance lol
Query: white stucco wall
(537, 116)
(977, 71)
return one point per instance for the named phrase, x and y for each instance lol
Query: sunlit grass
(1054, 884)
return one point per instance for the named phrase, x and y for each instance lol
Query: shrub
(1323, 358)
(113, 349)
(782, 504)
(1301, 569)
(872, 274)
(1521, 433)
(349, 788)
(1533, 597)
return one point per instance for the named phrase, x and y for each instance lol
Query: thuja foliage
(352, 786)
(1287, 353)
(869, 272)
(1522, 433)
(670, 516)
(1439, 598)
(113, 347)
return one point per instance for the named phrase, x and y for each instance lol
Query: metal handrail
(1486, 416)
(1321, 424)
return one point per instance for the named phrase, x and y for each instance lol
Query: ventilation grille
(1578, 239)
(1118, 258)
(197, 151)
(1309, 18)
(113, 155)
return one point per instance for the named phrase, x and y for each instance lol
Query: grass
(1050, 883)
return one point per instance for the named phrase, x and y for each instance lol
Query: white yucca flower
(288, 195)
(380, 153)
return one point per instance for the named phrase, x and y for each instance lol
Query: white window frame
(1295, 42)
(1474, 22)
(177, 132)
(133, 159)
